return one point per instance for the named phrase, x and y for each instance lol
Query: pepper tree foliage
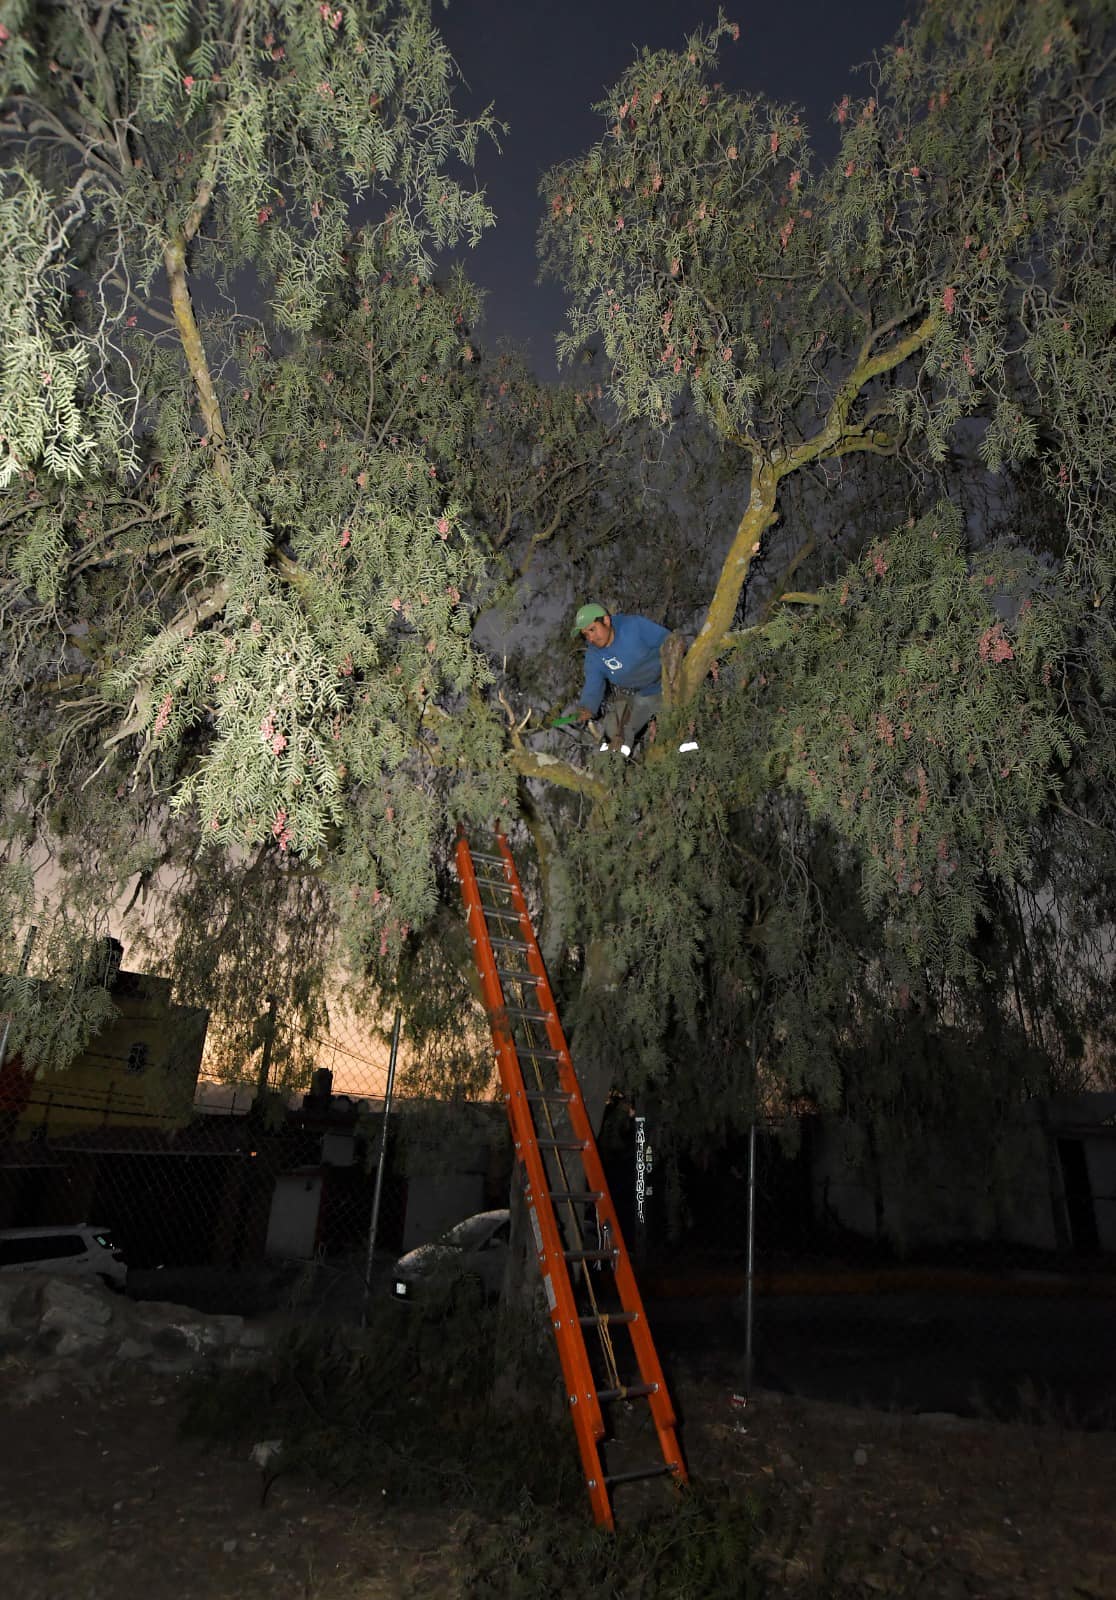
(885, 757)
(234, 573)
(246, 623)
(238, 622)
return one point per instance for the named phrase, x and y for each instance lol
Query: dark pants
(629, 714)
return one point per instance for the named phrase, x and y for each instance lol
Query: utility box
(296, 1209)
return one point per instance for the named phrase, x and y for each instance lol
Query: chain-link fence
(806, 1256)
(238, 1195)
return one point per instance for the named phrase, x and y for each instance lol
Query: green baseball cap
(588, 613)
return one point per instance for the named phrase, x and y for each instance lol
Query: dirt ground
(100, 1498)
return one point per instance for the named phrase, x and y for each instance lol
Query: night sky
(544, 63)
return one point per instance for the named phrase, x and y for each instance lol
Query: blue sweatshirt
(630, 662)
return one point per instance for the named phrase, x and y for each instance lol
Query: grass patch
(703, 1546)
(405, 1409)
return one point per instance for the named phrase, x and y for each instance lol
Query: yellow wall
(99, 1089)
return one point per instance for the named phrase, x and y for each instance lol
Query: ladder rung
(643, 1472)
(505, 936)
(633, 1391)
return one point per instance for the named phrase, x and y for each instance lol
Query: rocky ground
(929, 1505)
(101, 1497)
(77, 1326)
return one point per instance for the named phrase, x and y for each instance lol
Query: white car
(77, 1250)
(471, 1256)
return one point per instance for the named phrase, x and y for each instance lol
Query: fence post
(750, 1227)
(374, 1220)
(750, 1258)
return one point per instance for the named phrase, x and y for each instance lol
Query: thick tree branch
(758, 516)
(551, 769)
(835, 438)
(174, 260)
(203, 195)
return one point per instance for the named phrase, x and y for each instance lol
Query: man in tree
(623, 653)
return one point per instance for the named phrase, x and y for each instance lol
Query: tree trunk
(525, 1352)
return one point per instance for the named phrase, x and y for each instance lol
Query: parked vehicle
(77, 1250)
(469, 1258)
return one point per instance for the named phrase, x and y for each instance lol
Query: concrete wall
(942, 1195)
(436, 1203)
(1100, 1160)
(460, 1163)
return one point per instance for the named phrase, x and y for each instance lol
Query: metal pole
(374, 1221)
(750, 1227)
(24, 962)
(750, 1269)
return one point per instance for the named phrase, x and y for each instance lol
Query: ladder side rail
(556, 1038)
(581, 1388)
(507, 1054)
(639, 1332)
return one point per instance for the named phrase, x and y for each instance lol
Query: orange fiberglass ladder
(586, 1272)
